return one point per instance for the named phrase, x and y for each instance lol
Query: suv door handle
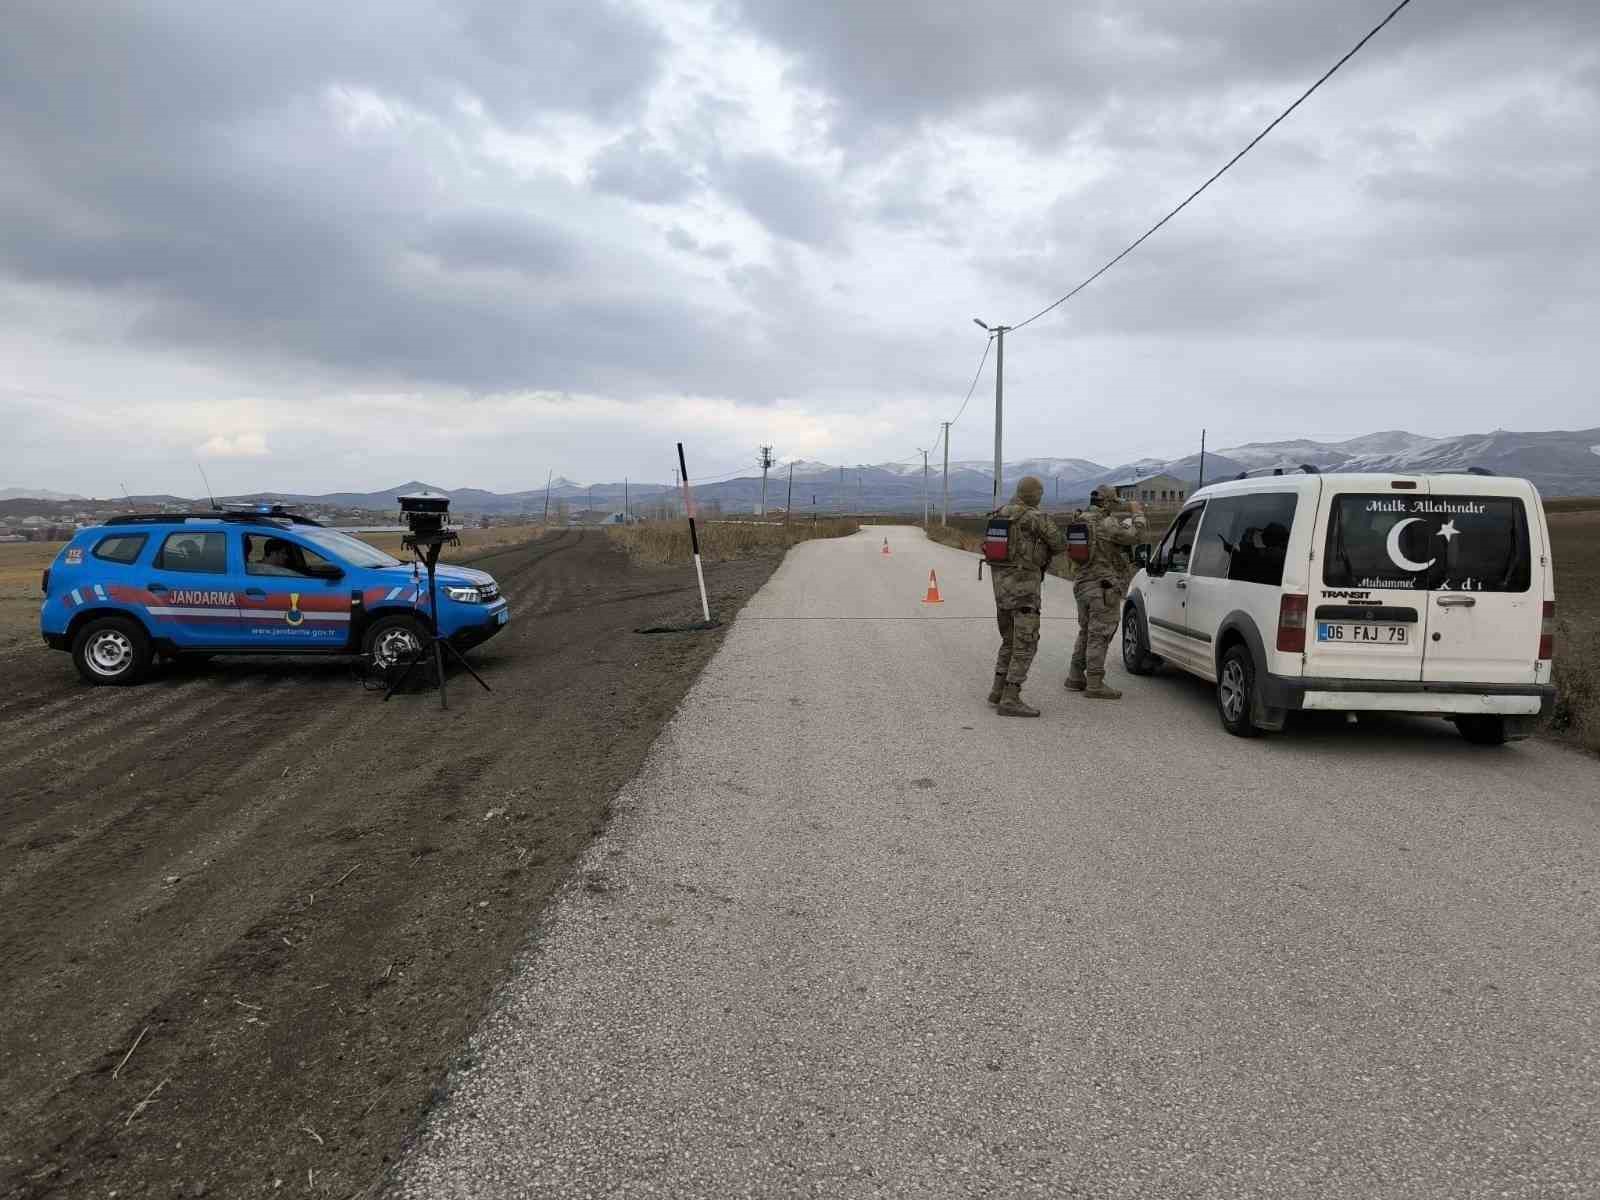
(255, 591)
(156, 587)
(1182, 585)
(1456, 601)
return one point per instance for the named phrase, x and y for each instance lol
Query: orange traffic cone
(886, 545)
(933, 596)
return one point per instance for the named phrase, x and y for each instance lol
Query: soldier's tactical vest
(1080, 542)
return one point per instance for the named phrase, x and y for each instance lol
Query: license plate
(1362, 633)
(502, 616)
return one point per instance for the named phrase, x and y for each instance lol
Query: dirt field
(291, 900)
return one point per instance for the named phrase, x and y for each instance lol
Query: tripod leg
(438, 665)
(461, 658)
(416, 657)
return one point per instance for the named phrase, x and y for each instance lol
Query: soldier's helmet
(1030, 489)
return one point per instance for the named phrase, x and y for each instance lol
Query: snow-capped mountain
(14, 493)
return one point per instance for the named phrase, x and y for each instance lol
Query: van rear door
(1486, 594)
(1369, 580)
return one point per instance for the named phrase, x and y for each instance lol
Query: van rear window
(1428, 543)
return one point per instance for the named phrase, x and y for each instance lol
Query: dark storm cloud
(500, 240)
(790, 201)
(191, 162)
(1093, 66)
(633, 167)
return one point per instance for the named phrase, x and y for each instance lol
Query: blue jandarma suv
(264, 581)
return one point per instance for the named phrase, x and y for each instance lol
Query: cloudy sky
(318, 246)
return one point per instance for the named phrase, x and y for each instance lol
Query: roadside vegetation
(721, 541)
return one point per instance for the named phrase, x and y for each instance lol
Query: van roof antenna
(207, 482)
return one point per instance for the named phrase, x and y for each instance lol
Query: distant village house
(1154, 489)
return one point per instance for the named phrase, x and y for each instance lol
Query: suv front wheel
(391, 641)
(1236, 692)
(112, 650)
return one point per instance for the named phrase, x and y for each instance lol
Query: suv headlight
(466, 595)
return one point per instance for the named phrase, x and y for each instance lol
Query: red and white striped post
(694, 538)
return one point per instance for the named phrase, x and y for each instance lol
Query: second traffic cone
(886, 545)
(933, 596)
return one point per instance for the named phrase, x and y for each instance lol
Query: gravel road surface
(851, 934)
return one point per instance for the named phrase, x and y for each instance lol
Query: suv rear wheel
(391, 641)
(1483, 730)
(112, 650)
(1136, 656)
(1236, 692)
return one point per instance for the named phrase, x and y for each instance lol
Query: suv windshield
(1428, 543)
(352, 550)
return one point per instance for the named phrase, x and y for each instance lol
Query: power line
(1134, 245)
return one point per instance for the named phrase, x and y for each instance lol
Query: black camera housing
(424, 514)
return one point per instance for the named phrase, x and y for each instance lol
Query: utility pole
(839, 500)
(944, 511)
(591, 504)
(861, 491)
(788, 505)
(999, 332)
(624, 499)
(766, 461)
(1202, 482)
(547, 477)
(924, 489)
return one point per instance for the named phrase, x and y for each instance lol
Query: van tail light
(1292, 625)
(1547, 632)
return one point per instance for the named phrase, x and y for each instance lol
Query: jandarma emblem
(294, 616)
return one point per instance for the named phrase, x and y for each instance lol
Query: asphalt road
(851, 934)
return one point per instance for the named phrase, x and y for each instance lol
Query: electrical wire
(1134, 245)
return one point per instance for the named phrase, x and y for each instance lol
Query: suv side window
(1246, 538)
(1178, 546)
(265, 554)
(191, 550)
(122, 548)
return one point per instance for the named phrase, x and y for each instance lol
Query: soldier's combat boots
(1096, 689)
(998, 689)
(1075, 678)
(1013, 705)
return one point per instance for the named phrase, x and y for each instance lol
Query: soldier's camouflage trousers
(1019, 642)
(1098, 617)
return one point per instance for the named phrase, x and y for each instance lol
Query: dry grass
(1575, 546)
(472, 540)
(668, 541)
(21, 564)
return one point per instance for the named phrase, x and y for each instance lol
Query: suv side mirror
(1141, 555)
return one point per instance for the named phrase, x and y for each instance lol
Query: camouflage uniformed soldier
(1018, 591)
(1099, 585)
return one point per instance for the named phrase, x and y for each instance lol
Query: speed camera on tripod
(425, 515)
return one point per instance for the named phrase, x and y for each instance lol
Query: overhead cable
(1132, 246)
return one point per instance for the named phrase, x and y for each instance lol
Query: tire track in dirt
(68, 789)
(353, 878)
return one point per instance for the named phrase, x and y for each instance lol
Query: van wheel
(112, 650)
(391, 641)
(1483, 731)
(1236, 691)
(1136, 656)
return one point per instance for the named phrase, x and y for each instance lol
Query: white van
(1355, 593)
